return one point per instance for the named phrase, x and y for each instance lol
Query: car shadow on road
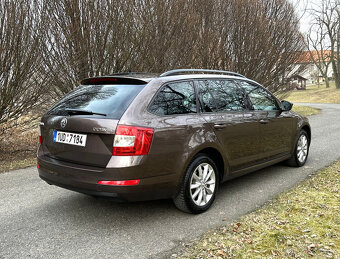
(235, 197)
(61, 218)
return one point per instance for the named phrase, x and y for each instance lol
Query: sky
(302, 7)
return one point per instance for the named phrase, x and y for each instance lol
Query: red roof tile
(308, 56)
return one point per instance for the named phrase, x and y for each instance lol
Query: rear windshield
(111, 100)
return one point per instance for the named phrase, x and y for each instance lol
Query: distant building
(297, 82)
(310, 71)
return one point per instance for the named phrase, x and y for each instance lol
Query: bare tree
(263, 40)
(318, 52)
(88, 38)
(165, 32)
(20, 83)
(318, 44)
(260, 39)
(327, 37)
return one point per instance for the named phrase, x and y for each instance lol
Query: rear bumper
(85, 191)
(84, 179)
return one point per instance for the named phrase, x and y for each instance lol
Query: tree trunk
(337, 83)
(336, 73)
(327, 81)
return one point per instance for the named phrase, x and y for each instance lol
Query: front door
(275, 125)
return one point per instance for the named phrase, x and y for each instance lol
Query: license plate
(69, 138)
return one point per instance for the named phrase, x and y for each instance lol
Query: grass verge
(301, 223)
(6, 166)
(18, 145)
(305, 110)
(315, 94)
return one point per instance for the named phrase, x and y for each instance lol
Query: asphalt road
(42, 221)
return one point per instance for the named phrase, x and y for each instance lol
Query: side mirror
(286, 106)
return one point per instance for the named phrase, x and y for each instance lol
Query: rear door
(225, 109)
(276, 127)
(178, 126)
(80, 128)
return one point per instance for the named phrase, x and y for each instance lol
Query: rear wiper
(83, 112)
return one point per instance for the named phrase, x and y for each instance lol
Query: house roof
(309, 56)
(298, 76)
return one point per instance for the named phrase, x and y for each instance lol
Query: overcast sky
(301, 7)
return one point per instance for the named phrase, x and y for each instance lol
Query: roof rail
(178, 71)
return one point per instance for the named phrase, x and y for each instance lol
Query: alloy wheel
(202, 184)
(302, 148)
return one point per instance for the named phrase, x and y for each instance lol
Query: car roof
(172, 75)
(199, 76)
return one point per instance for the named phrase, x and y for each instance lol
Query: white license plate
(69, 138)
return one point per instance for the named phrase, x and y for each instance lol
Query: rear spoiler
(116, 80)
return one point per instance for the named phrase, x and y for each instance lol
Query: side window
(174, 98)
(207, 101)
(221, 96)
(259, 97)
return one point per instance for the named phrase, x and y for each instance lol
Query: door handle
(220, 126)
(264, 121)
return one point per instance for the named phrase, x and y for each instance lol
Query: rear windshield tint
(111, 100)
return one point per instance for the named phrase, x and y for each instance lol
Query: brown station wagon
(178, 135)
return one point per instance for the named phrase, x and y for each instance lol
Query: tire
(202, 193)
(301, 150)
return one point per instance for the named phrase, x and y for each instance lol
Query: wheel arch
(215, 155)
(308, 130)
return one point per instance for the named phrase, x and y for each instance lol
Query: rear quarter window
(174, 98)
(112, 100)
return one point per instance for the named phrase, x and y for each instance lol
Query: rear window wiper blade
(83, 112)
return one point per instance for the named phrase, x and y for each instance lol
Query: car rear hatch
(80, 128)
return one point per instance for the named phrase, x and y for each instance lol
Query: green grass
(305, 110)
(301, 223)
(315, 94)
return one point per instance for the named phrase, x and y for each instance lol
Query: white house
(310, 70)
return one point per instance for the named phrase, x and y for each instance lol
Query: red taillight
(125, 183)
(38, 166)
(132, 141)
(40, 137)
